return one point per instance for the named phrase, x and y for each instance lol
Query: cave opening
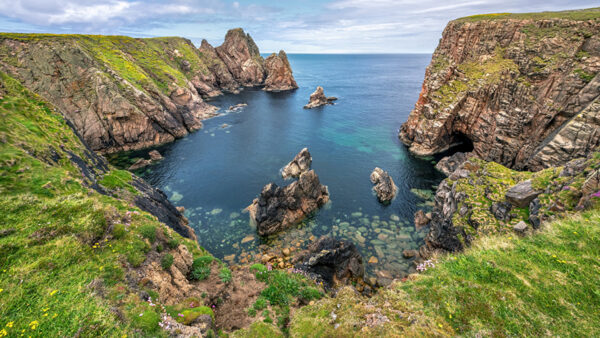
(459, 142)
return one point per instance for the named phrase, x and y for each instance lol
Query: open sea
(216, 172)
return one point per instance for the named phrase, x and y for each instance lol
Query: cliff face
(279, 73)
(122, 93)
(519, 88)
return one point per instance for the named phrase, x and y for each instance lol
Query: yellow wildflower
(46, 309)
(450, 316)
(45, 315)
(553, 256)
(440, 325)
(55, 315)
(1, 290)
(34, 324)
(3, 333)
(53, 292)
(10, 324)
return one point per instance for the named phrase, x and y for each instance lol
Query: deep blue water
(216, 172)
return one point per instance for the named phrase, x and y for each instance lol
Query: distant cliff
(522, 88)
(122, 93)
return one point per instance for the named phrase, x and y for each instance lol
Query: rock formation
(300, 164)
(384, 185)
(449, 164)
(521, 194)
(279, 73)
(331, 261)
(524, 92)
(125, 94)
(242, 57)
(318, 98)
(278, 208)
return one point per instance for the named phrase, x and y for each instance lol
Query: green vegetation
(580, 15)
(225, 274)
(118, 179)
(583, 75)
(63, 243)
(201, 268)
(166, 261)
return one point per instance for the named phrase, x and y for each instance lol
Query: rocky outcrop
(384, 185)
(484, 197)
(122, 93)
(449, 164)
(300, 164)
(522, 91)
(318, 99)
(279, 73)
(278, 208)
(331, 261)
(241, 55)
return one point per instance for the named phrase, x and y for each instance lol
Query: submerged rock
(318, 98)
(300, 164)
(278, 208)
(155, 155)
(384, 185)
(141, 163)
(279, 73)
(421, 219)
(332, 261)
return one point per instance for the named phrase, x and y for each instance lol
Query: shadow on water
(216, 172)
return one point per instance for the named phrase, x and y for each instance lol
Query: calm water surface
(216, 172)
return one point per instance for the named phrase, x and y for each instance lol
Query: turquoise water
(216, 172)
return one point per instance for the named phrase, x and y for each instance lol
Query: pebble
(382, 237)
(286, 251)
(247, 239)
(229, 258)
(356, 214)
(373, 260)
(395, 218)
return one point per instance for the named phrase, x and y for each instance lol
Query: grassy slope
(582, 15)
(546, 284)
(65, 235)
(148, 64)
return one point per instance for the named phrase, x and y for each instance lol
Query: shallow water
(216, 172)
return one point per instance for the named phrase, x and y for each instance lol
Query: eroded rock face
(318, 99)
(279, 73)
(118, 101)
(242, 57)
(449, 164)
(300, 164)
(384, 185)
(525, 97)
(278, 208)
(332, 261)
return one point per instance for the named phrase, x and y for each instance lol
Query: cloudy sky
(309, 26)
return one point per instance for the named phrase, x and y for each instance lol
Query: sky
(297, 26)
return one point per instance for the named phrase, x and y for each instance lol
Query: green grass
(539, 285)
(71, 244)
(579, 15)
(201, 268)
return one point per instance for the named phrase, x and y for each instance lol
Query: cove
(216, 172)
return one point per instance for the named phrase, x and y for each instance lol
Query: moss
(118, 179)
(201, 268)
(258, 330)
(584, 76)
(147, 321)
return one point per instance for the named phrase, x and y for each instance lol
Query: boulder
(331, 261)
(155, 155)
(142, 162)
(300, 164)
(501, 210)
(278, 208)
(279, 73)
(384, 185)
(421, 219)
(318, 98)
(521, 194)
(520, 227)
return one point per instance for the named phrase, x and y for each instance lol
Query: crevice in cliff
(459, 143)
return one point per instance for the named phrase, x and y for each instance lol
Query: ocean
(217, 171)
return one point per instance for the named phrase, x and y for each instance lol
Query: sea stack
(384, 185)
(279, 73)
(318, 98)
(278, 208)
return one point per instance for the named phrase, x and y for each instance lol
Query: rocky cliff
(522, 89)
(122, 93)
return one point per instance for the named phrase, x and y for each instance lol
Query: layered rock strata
(122, 93)
(300, 164)
(279, 73)
(522, 91)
